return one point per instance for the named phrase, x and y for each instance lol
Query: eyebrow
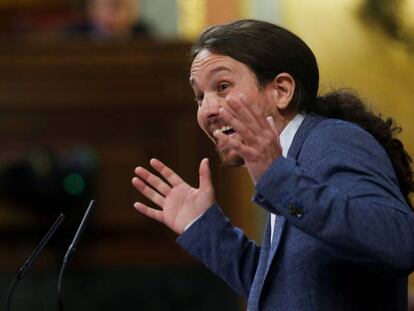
(212, 72)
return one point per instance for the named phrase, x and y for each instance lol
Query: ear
(283, 89)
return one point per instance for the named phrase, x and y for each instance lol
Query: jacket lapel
(308, 123)
(277, 234)
(304, 129)
(268, 251)
(254, 295)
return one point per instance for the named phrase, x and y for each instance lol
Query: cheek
(200, 120)
(264, 102)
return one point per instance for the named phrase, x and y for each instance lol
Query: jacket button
(262, 199)
(295, 211)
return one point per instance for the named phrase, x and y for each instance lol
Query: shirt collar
(288, 133)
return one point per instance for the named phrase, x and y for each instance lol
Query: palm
(179, 202)
(179, 206)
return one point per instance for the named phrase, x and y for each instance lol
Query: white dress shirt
(286, 138)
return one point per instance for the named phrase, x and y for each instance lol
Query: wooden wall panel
(127, 103)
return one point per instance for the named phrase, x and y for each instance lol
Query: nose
(210, 106)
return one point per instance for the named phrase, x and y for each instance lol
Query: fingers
(245, 151)
(272, 125)
(148, 192)
(166, 172)
(150, 212)
(241, 111)
(258, 113)
(249, 114)
(248, 120)
(157, 183)
(205, 176)
(237, 125)
(152, 186)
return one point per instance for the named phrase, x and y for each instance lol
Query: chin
(230, 159)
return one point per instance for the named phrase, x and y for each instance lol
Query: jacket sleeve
(223, 248)
(342, 189)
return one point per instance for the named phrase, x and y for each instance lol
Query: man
(340, 234)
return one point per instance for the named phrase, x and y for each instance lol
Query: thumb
(272, 125)
(205, 176)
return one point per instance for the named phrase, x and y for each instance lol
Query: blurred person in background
(96, 19)
(331, 174)
(110, 19)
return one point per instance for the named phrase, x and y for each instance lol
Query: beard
(229, 158)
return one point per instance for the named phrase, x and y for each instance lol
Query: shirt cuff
(191, 223)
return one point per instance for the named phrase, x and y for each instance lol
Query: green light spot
(74, 184)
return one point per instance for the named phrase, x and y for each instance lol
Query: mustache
(213, 121)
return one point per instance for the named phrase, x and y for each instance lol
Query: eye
(223, 86)
(199, 99)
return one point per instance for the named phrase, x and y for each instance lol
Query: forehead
(207, 63)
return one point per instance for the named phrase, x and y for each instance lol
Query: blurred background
(89, 89)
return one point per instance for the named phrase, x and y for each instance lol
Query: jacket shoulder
(335, 132)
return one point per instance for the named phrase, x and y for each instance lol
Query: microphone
(71, 250)
(30, 261)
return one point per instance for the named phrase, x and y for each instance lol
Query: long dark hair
(268, 50)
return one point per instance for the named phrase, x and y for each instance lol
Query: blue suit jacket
(343, 238)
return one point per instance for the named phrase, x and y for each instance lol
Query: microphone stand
(71, 250)
(29, 262)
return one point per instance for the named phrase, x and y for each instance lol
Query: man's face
(216, 79)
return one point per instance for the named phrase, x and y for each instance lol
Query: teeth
(222, 129)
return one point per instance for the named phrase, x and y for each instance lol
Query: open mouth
(227, 130)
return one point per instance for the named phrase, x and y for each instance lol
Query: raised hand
(259, 145)
(179, 203)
